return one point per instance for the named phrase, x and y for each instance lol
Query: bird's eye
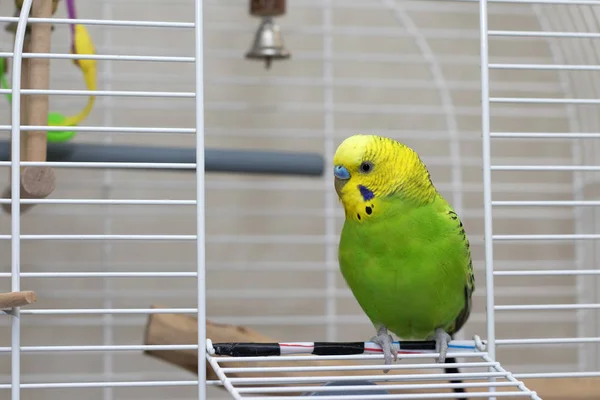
(366, 166)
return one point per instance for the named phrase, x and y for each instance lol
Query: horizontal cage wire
(119, 233)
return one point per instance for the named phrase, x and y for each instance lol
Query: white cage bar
(15, 237)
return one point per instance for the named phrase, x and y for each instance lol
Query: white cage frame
(487, 356)
(15, 237)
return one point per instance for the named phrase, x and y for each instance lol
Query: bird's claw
(441, 344)
(385, 341)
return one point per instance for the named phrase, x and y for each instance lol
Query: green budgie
(403, 250)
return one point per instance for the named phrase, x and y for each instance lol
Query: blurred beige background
(406, 69)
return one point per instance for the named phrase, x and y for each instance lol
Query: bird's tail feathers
(454, 370)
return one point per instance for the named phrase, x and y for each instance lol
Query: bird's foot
(384, 339)
(441, 344)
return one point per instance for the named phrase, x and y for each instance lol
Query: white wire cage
(407, 69)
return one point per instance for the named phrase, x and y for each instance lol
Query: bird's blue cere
(340, 172)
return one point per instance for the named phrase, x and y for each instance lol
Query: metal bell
(268, 43)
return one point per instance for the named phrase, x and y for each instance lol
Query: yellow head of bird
(370, 166)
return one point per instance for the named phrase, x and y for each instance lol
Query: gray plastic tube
(216, 160)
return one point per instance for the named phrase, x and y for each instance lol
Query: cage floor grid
(271, 371)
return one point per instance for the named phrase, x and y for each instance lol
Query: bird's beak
(339, 184)
(342, 176)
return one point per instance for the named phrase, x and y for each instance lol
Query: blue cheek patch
(366, 193)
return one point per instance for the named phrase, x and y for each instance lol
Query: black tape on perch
(216, 160)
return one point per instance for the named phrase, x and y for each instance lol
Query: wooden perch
(177, 329)
(39, 78)
(16, 299)
(12, 27)
(36, 181)
(19, 4)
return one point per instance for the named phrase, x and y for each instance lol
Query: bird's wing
(464, 314)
